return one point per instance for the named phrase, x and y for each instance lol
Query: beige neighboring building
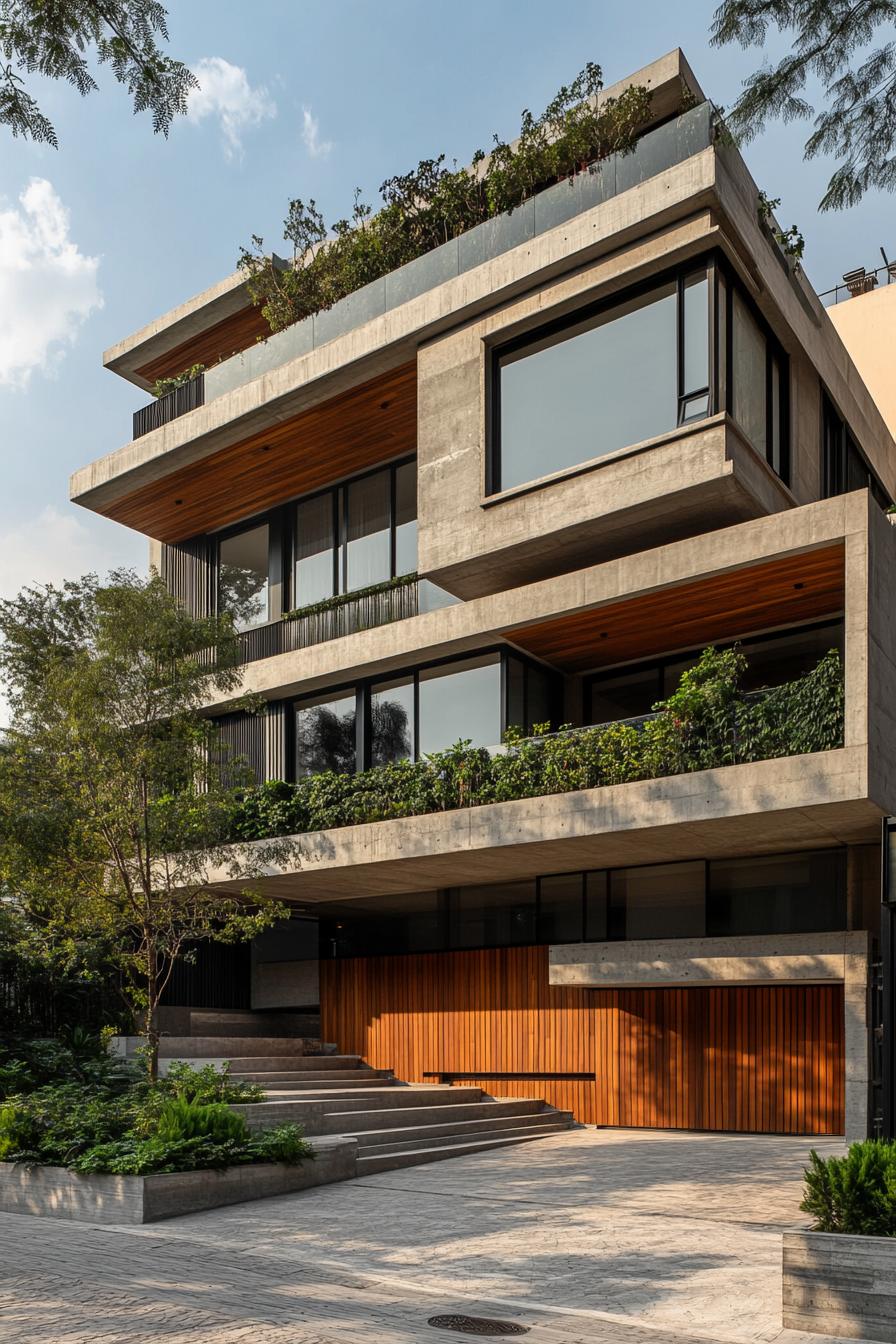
(528, 478)
(866, 324)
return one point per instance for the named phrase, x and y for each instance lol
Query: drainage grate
(477, 1325)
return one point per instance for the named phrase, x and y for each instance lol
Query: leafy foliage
(131, 1126)
(791, 241)
(346, 599)
(55, 40)
(707, 722)
(78, 1056)
(434, 203)
(830, 41)
(115, 791)
(855, 1194)
(162, 386)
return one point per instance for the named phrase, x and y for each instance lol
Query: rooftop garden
(709, 721)
(432, 204)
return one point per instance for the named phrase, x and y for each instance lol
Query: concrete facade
(659, 521)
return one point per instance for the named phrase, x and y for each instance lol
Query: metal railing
(363, 610)
(185, 398)
(859, 282)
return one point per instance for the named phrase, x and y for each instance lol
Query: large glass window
(368, 548)
(392, 735)
(560, 908)
(315, 541)
(460, 701)
(774, 894)
(592, 387)
(325, 735)
(662, 900)
(493, 916)
(843, 466)
(532, 695)
(627, 371)
(243, 568)
(406, 518)
(780, 893)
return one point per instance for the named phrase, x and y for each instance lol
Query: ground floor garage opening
(740, 1059)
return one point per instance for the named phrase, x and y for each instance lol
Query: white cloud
(225, 92)
(317, 148)
(57, 545)
(48, 287)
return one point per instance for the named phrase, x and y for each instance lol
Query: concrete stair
(394, 1124)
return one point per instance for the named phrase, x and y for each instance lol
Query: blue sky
(299, 99)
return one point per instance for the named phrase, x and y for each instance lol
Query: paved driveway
(594, 1234)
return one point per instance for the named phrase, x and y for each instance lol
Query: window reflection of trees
(244, 593)
(391, 732)
(325, 739)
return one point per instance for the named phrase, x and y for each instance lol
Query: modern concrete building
(545, 465)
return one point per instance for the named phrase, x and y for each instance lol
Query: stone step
(338, 1079)
(415, 1116)
(336, 1112)
(415, 1157)
(427, 1135)
(293, 1063)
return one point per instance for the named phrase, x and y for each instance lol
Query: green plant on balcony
(162, 386)
(707, 722)
(346, 599)
(431, 205)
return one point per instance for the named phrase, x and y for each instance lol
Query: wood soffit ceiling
(357, 429)
(227, 337)
(800, 587)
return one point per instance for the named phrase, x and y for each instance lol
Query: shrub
(75, 1056)
(706, 722)
(855, 1194)
(180, 1119)
(205, 1085)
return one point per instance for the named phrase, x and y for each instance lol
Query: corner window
(622, 372)
(243, 582)
(588, 387)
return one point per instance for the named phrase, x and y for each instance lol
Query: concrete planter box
(55, 1192)
(838, 1285)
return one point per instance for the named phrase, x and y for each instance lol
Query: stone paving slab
(592, 1235)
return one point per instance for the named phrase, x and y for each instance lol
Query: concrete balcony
(801, 801)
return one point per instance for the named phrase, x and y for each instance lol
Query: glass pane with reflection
(406, 518)
(315, 544)
(604, 384)
(368, 541)
(243, 576)
(460, 701)
(325, 735)
(392, 721)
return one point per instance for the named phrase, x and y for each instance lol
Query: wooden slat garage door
(755, 1059)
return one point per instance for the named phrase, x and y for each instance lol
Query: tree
(55, 39)
(831, 42)
(115, 791)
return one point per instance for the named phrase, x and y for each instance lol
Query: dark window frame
(280, 521)
(362, 686)
(615, 914)
(715, 265)
(835, 458)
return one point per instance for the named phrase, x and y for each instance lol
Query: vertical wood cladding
(754, 1059)
(190, 573)
(245, 735)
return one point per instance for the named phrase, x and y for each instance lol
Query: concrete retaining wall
(844, 1286)
(55, 1192)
